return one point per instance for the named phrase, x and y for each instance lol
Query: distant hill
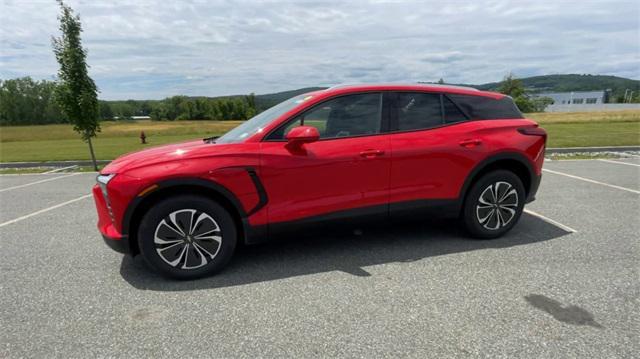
(564, 83)
(546, 83)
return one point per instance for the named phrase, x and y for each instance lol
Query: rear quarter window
(486, 108)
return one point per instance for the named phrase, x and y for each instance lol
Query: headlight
(103, 180)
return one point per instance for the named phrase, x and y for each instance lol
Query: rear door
(346, 172)
(433, 148)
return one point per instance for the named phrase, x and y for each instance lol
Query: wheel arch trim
(484, 164)
(194, 183)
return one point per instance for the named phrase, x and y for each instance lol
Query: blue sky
(152, 49)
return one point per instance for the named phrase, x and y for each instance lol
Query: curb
(50, 164)
(592, 149)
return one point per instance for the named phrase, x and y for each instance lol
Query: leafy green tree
(250, 99)
(539, 104)
(105, 111)
(513, 87)
(186, 109)
(76, 93)
(158, 112)
(144, 109)
(24, 101)
(9, 102)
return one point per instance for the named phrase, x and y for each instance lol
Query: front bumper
(114, 239)
(119, 245)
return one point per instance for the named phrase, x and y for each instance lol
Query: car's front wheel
(494, 204)
(187, 237)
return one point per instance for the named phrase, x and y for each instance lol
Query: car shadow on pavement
(342, 250)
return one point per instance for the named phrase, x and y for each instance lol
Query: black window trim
(383, 121)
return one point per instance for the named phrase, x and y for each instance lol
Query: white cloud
(153, 49)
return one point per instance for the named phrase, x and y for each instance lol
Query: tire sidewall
(469, 213)
(161, 210)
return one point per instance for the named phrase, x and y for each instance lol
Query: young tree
(76, 93)
(513, 87)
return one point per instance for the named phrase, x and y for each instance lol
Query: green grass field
(59, 142)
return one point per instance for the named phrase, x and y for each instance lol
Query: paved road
(416, 291)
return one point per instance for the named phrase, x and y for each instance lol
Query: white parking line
(620, 163)
(44, 210)
(41, 181)
(550, 221)
(592, 181)
(60, 169)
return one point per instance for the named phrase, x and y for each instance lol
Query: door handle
(472, 142)
(371, 153)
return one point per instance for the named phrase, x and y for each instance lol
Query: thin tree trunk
(93, 155)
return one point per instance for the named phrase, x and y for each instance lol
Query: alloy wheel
(497, 205)
(187, 239)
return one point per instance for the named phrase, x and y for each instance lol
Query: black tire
(163, 237)
(475, 213)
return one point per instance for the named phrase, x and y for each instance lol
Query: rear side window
(484, 108)
(418, 111)
(452, 113)
(421, 111)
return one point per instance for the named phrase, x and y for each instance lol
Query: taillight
(532, 131)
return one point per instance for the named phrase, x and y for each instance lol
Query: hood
(160, 154)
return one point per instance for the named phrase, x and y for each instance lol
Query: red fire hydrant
(143, 137)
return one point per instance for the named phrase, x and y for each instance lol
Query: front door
(345, 172)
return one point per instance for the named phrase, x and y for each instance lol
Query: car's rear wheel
(187, 237)
(494, 204)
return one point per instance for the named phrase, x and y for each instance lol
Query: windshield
(259, 121)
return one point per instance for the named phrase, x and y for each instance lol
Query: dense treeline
(24, 101)
(220, 109)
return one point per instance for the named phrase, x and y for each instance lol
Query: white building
(577, 97)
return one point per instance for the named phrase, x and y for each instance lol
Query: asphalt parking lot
(563, 285)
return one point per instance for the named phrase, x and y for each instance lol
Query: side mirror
(302, 134)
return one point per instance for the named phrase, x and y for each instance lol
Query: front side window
(345, 116)
(257, 123)
(418, 111)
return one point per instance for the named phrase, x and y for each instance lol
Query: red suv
(338, 154)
